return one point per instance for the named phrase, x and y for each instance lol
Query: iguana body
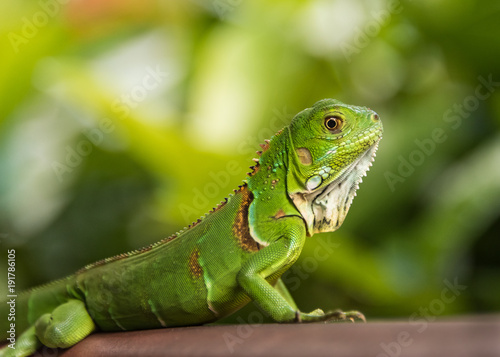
(303, 183)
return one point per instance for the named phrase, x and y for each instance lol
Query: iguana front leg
(283, 290)
(275, 259)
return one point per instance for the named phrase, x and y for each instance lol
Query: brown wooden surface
(468, 336)
(464, 336)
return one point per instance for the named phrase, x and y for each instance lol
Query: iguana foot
(337, 315)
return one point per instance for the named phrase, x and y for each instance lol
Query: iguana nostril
(374, 117)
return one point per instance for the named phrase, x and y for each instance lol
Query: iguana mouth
(325, 209)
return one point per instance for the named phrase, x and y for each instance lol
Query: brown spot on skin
(280, 214)
(194, 265)
(241, 230)
(304, 156)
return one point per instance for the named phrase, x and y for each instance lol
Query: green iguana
(303, 183)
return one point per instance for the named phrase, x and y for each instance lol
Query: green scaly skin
(303, 183)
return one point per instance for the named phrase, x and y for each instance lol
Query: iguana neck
(271, 202)
(268, 180)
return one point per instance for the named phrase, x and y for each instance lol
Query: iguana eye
(334, 123)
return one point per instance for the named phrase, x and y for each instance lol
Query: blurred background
(121, 122)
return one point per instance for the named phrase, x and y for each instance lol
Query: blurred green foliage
(123, 121)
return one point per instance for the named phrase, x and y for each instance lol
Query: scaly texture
(303, 183)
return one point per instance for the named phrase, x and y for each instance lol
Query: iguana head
(333, 146)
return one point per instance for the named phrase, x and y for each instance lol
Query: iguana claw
(339, 315)
(332, 316)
